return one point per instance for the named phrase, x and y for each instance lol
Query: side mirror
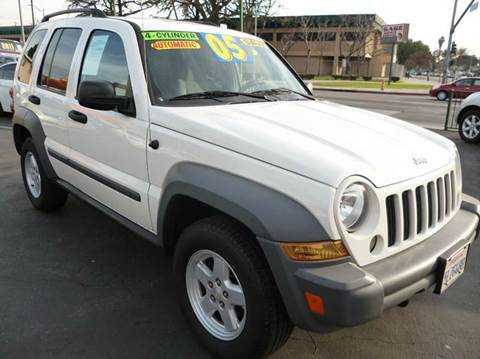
(100, 95)
(309, 86)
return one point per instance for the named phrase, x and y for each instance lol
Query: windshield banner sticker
(252, 42)
(175, 45)
(169, 35)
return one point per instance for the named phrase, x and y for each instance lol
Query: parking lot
(75, 284)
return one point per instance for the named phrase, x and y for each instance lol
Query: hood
(320, 140)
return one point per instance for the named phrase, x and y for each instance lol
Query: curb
(378, 92)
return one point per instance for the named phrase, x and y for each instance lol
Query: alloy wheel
(215, 294)
(32, 174)
(471, 126)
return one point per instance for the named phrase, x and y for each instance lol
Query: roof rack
(82, 11)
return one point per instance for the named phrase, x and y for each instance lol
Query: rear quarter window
(28, 57)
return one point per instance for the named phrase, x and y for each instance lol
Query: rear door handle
(34, 99)
(77, 116)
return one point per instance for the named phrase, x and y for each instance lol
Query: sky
(428, 19)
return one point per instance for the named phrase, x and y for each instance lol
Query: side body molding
(267, 213)
(25, 118)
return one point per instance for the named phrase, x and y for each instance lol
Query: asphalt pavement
(75, 284)
(423, 111)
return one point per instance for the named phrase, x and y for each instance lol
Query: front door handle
(34, 99)
(77, 116)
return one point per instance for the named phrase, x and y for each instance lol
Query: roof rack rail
(83, 11)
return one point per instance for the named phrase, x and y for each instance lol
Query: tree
(117, 7)
(422, 60)
(308, 37)
(464, 60)
(360, 36)
(218, 11)
(213, 11)
(407, 49)
(286, 42)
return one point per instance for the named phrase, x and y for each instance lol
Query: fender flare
(269, 214)
(27, 119)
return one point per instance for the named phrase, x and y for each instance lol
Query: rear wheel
(43, 194)
(469, 126)
(227, 291)
(442, 96)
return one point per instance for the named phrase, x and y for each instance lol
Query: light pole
(241, 15)
(452, 30)
(33, 15)
(21, 21)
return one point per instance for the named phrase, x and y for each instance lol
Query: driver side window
(105, 60)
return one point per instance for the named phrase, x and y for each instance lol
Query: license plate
(451, 268)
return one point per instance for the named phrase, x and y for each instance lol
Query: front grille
(415, 211)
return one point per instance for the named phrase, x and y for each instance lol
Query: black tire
(51, 197)
(442, 96)
(474, 113)
(267, 325)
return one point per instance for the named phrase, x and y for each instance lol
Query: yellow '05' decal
(225, 47)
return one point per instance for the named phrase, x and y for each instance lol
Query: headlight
(352, 205)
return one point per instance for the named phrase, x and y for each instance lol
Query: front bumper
(353, 295)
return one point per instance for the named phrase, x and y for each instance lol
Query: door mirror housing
(100, 95)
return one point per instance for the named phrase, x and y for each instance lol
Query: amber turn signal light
(316, 251)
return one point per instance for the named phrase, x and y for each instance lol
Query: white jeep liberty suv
(279, 209)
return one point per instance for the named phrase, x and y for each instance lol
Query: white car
(7, 72)
(279, 209)
(468, 119)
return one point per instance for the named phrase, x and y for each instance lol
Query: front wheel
(469, 126)
(227, 292)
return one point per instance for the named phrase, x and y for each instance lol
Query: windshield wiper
(215, 95)
(280, 90)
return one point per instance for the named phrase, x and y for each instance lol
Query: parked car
(279, 209)
(462, 88)
(7, 72)
(9, 50)
(468, 119)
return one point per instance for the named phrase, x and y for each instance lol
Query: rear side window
(105, 60)
(476, 82)
(464, 82)
(26, 63)
(58, 59)
(7, 72)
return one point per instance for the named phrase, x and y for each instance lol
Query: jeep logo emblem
(419, 160)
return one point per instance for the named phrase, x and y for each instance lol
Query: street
(75, 284)
(420, 110)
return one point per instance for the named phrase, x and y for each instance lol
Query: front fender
(269, 214)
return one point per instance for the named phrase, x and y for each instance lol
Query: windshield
(183, 63)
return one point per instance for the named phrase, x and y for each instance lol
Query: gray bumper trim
(353, 295)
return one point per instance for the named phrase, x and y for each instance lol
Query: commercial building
(331, 44)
